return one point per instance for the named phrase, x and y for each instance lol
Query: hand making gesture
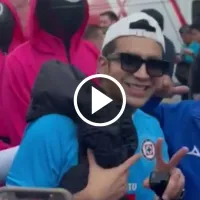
(177, 180)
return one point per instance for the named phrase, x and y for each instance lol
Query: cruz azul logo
(148, 149)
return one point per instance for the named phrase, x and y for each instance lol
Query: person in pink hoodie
(55, 32)
(90, 48)
(11, 36)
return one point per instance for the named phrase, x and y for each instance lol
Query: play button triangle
(99, 100)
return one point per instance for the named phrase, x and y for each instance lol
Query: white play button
(99, 100)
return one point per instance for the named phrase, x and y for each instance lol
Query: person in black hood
(59, 157)
(11, 36)
(64, 23)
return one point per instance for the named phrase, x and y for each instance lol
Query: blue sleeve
(157, 110)
(49, 149)
(150, 106)
(195, 47)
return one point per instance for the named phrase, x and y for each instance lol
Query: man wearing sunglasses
(132, 53)
(137, 64)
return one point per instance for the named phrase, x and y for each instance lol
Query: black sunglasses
(131, 63)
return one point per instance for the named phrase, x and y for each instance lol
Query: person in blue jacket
(180, 123)
(50, 145)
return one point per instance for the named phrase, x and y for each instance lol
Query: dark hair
(92, 32)
(185, 29)
(112, 16)
(109, 48)
(156, 15)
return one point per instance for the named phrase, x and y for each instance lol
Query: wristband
(158, 182)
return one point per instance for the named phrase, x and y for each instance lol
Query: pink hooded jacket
(89, 55)
(18, 38)
(23, 65)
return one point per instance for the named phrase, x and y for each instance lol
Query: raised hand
(108, 184)
(177, 180)
(161, 165)
(165, 88)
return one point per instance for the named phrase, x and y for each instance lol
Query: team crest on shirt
(148, 149)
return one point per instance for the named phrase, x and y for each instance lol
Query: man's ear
(102, 66)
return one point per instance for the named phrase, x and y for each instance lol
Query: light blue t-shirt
(194, 47)
(50, 148)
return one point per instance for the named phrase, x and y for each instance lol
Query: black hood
(7, 27)
(61, 18)
(53, 91)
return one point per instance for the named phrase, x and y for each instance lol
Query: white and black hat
(138, 24)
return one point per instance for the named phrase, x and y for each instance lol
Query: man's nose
(142, 72)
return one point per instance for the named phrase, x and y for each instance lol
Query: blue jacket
(50, 148)
(181, 126)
